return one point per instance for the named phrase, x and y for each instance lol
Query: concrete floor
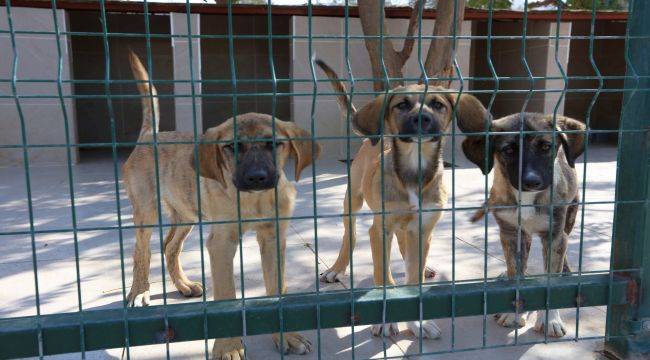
(100, 270)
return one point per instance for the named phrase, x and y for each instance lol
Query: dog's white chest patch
(413, 198)
(527, 200)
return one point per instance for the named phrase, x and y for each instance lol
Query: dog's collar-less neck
(407, 171)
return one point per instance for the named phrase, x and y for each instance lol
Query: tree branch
(407, 48)
(439, 58)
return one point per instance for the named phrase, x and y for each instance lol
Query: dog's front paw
(228, 349)
(190, 288)
(139, 295)
(292, 343)
(389, 329)
(429, 329)
(330, 276)
(429, 273)
(555, 326)
(510, 320)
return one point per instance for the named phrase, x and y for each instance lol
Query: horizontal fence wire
(231, 319)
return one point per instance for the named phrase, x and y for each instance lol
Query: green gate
(625, 289)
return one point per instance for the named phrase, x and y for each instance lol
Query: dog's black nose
(414, 125)
(532, 181)
(256, 178)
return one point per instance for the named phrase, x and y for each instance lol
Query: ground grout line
(480, 249)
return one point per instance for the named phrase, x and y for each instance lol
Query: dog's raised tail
(342, 95)
(149, 97)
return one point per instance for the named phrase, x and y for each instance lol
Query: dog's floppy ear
(210, 162)
(476, 151)
(301, 146)
(572, 143)
(367, 120)
(472, 117)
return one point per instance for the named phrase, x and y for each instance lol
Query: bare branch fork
(439, 56)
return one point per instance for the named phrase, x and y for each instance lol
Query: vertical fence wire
(348, 162)
(486, 161)
(28, 183)
(421, 261)
(617, 200)
(73, 211)
(279, 236)
(114, 157)
(454, 29)
(384, 236)
(583, 198)
(197, 176)
(518, 266)
(240, 233)
(548, 246)
(156, 164)
(312, 117)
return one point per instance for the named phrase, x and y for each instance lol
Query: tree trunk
(439, 63)
(372, 15)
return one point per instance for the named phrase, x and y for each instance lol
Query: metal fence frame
(625, 289)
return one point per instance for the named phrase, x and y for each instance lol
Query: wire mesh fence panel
(259, 159)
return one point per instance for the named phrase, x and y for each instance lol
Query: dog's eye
(508, 150)
(231, 147)
(278, 144)
(404, 105)
(437, 105)
(545, 147)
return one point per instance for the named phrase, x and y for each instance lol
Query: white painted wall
(37, 59)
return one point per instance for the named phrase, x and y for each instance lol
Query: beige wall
(328, 119)
(540, 56)
(37, 59)
(609, 57)
(187, 109)
(251, 64)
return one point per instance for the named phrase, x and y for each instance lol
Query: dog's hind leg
(349, 236)
(173, 246)
(139, 294)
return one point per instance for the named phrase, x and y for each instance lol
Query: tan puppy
(407, 163)
(542, 168)
(253, 173)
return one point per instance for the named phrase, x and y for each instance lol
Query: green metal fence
(624, 289)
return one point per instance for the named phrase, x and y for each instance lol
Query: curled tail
(341, 98)
(149, 98)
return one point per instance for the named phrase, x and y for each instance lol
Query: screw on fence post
(631, 234)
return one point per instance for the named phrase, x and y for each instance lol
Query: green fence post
(628, 330)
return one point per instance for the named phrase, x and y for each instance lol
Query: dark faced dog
(543, 167)
(415, 121)
(247, 167)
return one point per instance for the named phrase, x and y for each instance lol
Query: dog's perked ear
(472, 117)
(368, 119)
(210, 162)
(301, 145)
(572, 143)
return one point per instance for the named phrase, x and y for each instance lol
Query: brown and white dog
(542, 168)
(409, 165)
(253, 173)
